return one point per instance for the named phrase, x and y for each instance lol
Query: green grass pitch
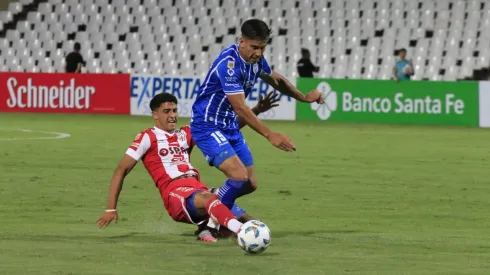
(353, 199)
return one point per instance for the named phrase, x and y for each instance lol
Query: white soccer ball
(254, 237)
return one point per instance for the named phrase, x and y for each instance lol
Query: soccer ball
(254, 237)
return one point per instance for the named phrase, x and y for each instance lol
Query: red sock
(219, 211)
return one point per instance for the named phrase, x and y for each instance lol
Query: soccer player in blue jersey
(220, 109)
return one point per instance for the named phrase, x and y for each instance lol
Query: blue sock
(230, 191)
(237, 211)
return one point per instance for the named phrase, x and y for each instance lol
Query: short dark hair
(402, 50)
(77, 46)
(159, 99)
(256, 29)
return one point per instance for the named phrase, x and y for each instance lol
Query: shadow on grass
(283, 234)
(133, 237)
(187, 238)
(264, 254)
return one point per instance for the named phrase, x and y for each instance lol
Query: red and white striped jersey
(166, 155)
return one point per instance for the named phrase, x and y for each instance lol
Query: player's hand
(281, 141)
(268, 102)
(106, 218)
(314, 96)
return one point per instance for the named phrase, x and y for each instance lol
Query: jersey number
(218, 136)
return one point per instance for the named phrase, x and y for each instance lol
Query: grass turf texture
(354, 199)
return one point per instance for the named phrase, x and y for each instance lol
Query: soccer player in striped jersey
(165, 152)
(220, 110)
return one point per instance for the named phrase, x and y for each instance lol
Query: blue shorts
(218, 145)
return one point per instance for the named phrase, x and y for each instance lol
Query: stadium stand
(447, 39)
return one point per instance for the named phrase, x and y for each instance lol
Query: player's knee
(233, 168)
(238, 173)
(206, 195)
(202, 198)
(240, 176)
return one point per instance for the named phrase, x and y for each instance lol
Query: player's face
(166, 116)
(403, 54)
(252, 50)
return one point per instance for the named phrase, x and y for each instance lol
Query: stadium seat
(446, 39)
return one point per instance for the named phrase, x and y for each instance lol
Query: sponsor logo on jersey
(234, 85)
(174, 150)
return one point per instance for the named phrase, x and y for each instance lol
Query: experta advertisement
(145, 87)
(377, 101)
(64, 93)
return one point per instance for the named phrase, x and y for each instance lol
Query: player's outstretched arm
(279, 140)
(281, 84)
(123, 168)
(263, 105)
